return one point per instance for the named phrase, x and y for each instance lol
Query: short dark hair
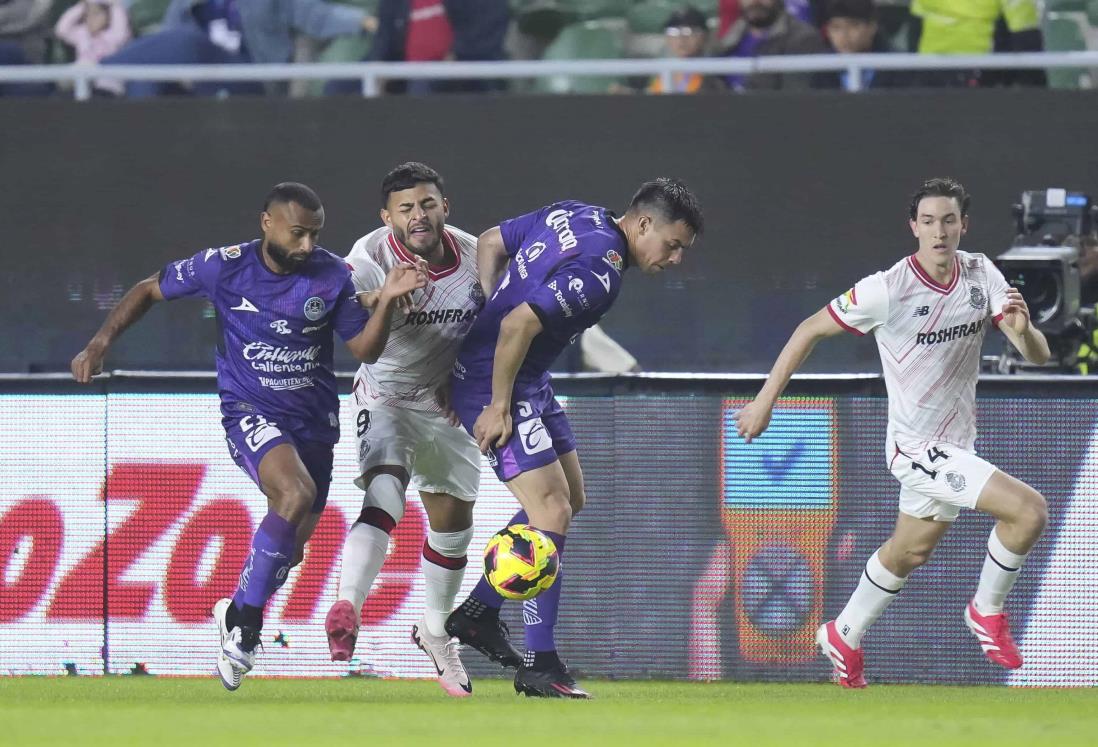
(408, 175)
(687, 17)
(672, 199)
(861, 10)
(942, 186)
(287, 192)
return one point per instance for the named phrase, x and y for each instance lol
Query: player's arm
(1019, 329)
(368, 344)
(137, 301)
(492, 258)
(516, 331)
(755, 416)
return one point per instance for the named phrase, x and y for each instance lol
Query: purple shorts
(250, 437)
(541, 432)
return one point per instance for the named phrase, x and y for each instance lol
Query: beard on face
(283, 258)
(420, 251)
(762, 15)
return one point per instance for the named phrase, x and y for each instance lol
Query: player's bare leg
(910, 546)
(1022, 514)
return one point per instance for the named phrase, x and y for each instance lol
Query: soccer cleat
(488, 636)
(848, 663)
(554, 682)
(443, 652)
(236, 656)
(993, 632)
(341, 625)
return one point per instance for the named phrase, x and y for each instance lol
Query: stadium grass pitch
(184, 711)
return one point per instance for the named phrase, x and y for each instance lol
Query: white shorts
(938, 480)
(439, 457)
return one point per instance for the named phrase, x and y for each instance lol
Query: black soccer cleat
(486, 633)
(553, 682)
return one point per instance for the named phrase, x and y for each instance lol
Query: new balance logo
(245, 305)
(921, 311)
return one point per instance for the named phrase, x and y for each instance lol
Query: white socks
(444, 563)
(1000, 570)
(876, 590)
(363, 555)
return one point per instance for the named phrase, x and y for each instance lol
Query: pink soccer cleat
(849, 666)
(993, 632)
(341, 625)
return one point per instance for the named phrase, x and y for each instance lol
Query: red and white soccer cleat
(341, 625)
(848, 662)
(993, 632)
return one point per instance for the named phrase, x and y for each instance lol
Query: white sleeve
(366, 274)
(864, 307)
(996, 291)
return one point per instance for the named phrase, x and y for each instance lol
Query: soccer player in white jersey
(404, 435)
(929, 313)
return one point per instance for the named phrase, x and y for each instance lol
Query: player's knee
(916, 556)
(385, 492)
(1034, 513)
(293, 500)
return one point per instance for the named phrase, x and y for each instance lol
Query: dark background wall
(803, 196)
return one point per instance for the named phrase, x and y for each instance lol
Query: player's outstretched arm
(138, 300)
(516, 331)
(1019, 329)
(753, 419)
(368, 344)
(491, 259)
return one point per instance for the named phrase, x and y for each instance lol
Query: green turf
(169, 711)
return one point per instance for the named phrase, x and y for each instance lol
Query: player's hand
(442, 397)
(1015, 311)
(87, 363)
(368, 299)
(493, 427)
(403, 279)
(752, 420)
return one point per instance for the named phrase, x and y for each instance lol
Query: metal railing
(371, 74)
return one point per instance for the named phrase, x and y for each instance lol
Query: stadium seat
(588, 40)
(649, 16)
(146, 15)
(1065, 6)
(1092, 13)
(1063, 34)
(542, 19)
(589, 10)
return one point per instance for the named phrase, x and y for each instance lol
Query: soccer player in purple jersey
(278, 300)
(552, 273)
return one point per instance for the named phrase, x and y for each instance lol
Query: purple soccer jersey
(274, 353)
(566, 262)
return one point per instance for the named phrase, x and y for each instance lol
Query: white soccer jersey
(423, 342)
(929, 336)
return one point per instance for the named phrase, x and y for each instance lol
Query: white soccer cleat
(443, 652)
(234, 659)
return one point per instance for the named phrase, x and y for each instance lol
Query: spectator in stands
(235, 31)
(24, 28)
(434, 31)
(804, 10)
(765, 28)
(687, 35)
(851, 28)
(95, 29)
(969, 27)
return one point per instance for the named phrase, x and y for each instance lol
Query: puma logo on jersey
(245, 305)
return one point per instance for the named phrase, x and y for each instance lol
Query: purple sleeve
(195, 276)
(517, 229)
(348, 317)
(574, 297)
